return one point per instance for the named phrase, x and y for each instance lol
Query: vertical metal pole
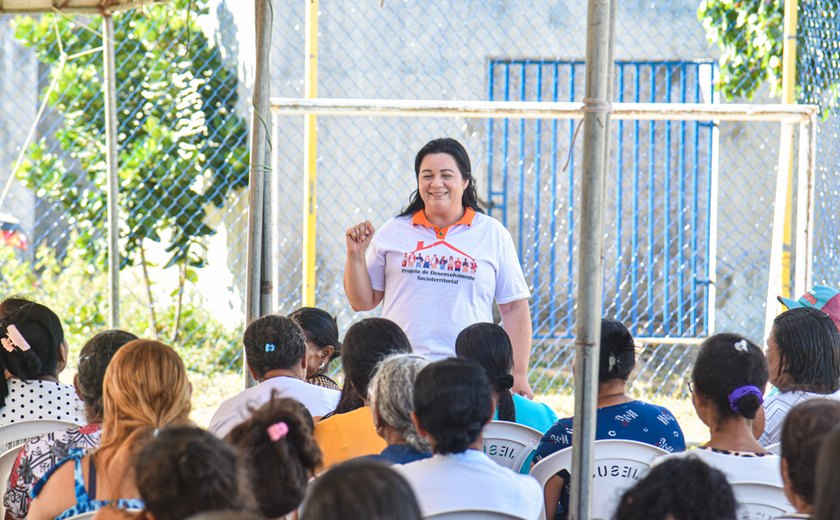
(600, 27)
(805, 205)
(310, 157)
(112, 164)
(788, 98)
(260, 120)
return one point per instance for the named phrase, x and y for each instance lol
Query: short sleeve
(557, 438)
(510, 281)
(375, 260)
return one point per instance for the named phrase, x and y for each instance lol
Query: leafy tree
(182, 147)
(749, 34)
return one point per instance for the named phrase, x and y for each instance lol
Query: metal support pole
(600, 28)
(256, 283)
(112, 164)
(310, 157)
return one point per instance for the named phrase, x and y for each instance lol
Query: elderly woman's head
(803, 352)
(321, 331)
(391, 394)
(452, 403)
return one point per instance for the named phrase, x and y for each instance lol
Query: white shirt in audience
(317, 399)
(471, 480)
(737, 467)
(776, 408)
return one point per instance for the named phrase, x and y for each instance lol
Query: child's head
(183, 471)
(360, 490)
(278, 435)
(731, 373)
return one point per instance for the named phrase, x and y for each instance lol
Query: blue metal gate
(658, 245)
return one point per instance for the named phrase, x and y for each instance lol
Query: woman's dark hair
(276, 441)
(679, 489)
(41, 329)
(804, 429)
(366, 343)
(489, 345)
(184, 470)
(319, 327)
(452, 401)
(809, 349)
(360, 489)
(455, 149)
(728, 362)
(827, 501)
(94, 358)
(273, 342)
(618, 351)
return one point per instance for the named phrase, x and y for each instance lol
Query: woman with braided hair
(488, 345)
(619, 416)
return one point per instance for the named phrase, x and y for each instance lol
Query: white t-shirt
(438, 282)
(36, 399)
(471, 480)
(776, 408)
(737, 468)
(317, 399)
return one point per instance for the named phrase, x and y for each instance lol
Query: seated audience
(619, 416)
(34, 353)
(804, 429)
(322, 345)
(489, 345)
(41, 454)
(827, 499)
(275, 350)
(729, 378)
(360, 489)
(803, 353)
(391, 394)
(277, 447)
(145, 388)
(345, 435)
(679, 489)
(452, 403)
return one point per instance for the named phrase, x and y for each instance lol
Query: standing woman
(443, 218)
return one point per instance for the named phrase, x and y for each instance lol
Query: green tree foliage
(749, 34)
(182, 146)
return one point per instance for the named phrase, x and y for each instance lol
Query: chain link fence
(683, 259)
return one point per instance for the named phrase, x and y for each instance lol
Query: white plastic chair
(17, 433)
(471, 514)
(760, 500)
(509, 444)
(618, 465)
(775, 449)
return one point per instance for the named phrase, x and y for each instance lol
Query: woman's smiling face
(440, 183)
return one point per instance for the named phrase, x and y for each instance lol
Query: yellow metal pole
(789, 98)
(310, 155)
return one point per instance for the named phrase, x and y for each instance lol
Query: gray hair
(391, 394)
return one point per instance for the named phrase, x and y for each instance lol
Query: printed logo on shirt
(439, 262)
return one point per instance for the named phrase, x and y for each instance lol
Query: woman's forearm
(357, 284)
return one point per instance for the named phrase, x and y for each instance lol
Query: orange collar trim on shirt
(420, 219)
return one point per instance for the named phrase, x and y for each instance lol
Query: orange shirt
(348, 435)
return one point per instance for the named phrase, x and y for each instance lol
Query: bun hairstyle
(731, 371)
(488, 345)
(280, 452)
(618, 351)
(32, 338)
(453, 401)
(319, 327)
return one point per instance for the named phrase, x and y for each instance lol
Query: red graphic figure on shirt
(458, 265)
(451, 265)
(405, 259)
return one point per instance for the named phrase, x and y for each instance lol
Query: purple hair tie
(740, 392)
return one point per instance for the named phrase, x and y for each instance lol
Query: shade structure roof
(72, 6)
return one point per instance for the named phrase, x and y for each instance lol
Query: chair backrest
(17, 433)
(509, 444)
(775, 449)
(618, 465)
(471, 514)
(760, 500)
(7, 461)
